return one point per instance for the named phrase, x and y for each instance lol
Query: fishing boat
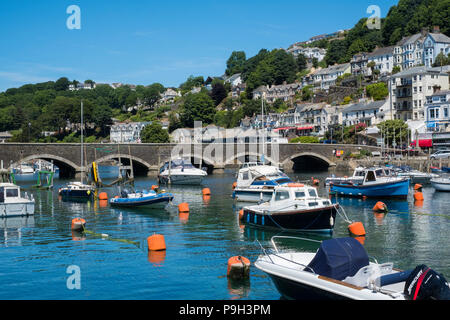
(181, 172)
(78, 190)
(141, 199)
(257, 183)
(340, 270)
(12, 203)
(441, 184)
(294, 208)
(375, 184)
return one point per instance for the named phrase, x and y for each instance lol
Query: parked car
(443, 154)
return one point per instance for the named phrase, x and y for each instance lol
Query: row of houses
(415, 50)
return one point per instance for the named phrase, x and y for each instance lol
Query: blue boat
(140, 199)
(375, 184)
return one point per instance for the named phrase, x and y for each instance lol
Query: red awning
(283, 129)
(425, 143)
(305, 128)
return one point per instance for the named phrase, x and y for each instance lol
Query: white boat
(181, 172)
(417, 176)
(339, 270)
(30, 171)
(257, 183)
(12, 203)
(441, 184)
(295, 208)
(358, 176)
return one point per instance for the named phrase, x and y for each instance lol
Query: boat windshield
(12, 193)
(281, 195)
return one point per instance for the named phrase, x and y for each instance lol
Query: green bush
(305, 140)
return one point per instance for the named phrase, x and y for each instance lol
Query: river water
(39, 254)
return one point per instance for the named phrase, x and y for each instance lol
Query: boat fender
(206, 192)
(183, 207)
(103, 196)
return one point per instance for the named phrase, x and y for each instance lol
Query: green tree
(301, 62)
(377, 91)
(235, 63)
(197, 107)
(394, 128)
(154, 133)
(62, 84)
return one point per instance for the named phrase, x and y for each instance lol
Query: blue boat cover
(339, 258)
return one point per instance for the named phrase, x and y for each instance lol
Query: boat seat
(368, 274)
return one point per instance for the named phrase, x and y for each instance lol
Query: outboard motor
(426, 284)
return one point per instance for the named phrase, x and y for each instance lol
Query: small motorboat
(77, 190)
(294, 208)
(30, 171)
(256, 183)
(358, 176)
(181, 172)
(375, 184)
(12, 203)
(441, 184)
(445, 169)
(141, 199)
(340, 270)
(416, 176)
(436, 170)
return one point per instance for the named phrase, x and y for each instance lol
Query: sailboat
(78, 189)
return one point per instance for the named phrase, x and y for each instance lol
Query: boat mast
(264, 137)
(82, 172)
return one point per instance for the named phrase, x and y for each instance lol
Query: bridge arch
(66, 167)
(246, 156)
(309, 160)
(140, 166)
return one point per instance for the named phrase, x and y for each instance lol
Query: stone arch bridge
(149, 157)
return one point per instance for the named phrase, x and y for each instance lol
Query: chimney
(436, 29)
(424, 31)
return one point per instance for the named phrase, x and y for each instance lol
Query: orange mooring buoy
(418, 196)
(357, 229)
(234, 185)
(103, 196)
(206, 192)
(238, 268)
(380, 207)
(78, 224)
(418, 187)
(155, 188)
(241, 214)
(156, 242)
(183, 207)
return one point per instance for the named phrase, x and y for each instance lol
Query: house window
(446, 112)
(431, 113)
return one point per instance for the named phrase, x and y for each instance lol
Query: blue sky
(142, 42)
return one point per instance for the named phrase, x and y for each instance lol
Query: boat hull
(25, 208)
(398, 189)
(83, 194)
(159, 201)
(320, 220)
(440, 186)
(253, 195)
(182, 179)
